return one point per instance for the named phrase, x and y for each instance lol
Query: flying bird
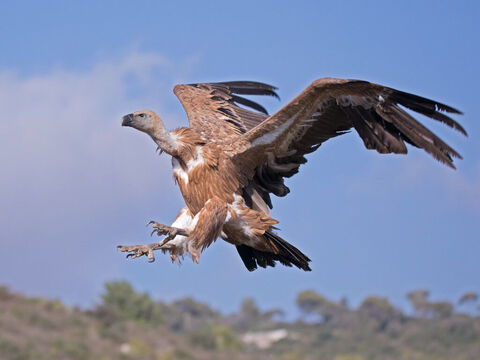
(234, 156)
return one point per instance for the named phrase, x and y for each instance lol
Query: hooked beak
(127, 120)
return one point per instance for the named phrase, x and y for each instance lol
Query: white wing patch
(178, 170)
(197, 160)
(271, 136)
(191, 164)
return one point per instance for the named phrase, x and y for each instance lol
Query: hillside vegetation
(130, 325)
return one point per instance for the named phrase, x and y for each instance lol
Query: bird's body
(230, 160)
(200, 171)
(211, 185)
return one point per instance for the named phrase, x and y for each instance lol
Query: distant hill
(131, 325)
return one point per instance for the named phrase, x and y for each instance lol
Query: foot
(140, 250)
(170, 231)
(136, 251)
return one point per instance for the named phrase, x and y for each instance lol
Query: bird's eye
(141, 115)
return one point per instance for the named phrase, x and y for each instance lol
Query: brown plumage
(231, 159)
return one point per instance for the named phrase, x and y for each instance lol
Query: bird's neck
(166, 141)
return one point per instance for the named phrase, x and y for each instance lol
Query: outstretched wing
(213, 108)
(275, 149)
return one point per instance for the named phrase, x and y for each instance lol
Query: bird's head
(150, 123)
(143, 120)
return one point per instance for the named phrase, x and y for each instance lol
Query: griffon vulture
(230, 160)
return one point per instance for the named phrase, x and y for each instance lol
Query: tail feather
(288, 254)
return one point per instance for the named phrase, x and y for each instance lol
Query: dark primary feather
(385, 127)
(244, 88)
(249, 103)
(428, 108)
(249, 88)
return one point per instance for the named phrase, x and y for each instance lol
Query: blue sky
(75, 184)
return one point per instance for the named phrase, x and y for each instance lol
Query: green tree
(249, 308)
(310, 302)
(120, 301)
(467, 297)
(419, 300)
(194, 308)
(250, 316)
(379, 309)
(468, 301)
(425, 308)
(188, 314)
(441, 309)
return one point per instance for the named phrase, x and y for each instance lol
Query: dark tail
(288, 254)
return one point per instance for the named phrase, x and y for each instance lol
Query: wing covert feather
(213, 108)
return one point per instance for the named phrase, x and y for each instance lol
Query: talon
(136, 251)
(150, 256)
(166, 240)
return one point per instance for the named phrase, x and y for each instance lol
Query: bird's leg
(209, 223)
(187, 234)
(171, 233)
(135, 251)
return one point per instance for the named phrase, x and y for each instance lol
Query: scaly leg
(173, 232)
(140, 250)
(170, 231)
(187, 234)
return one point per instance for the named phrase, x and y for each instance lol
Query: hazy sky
(74, 183)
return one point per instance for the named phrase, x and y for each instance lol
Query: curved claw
(150, 256)
(137, 251)
(154, 230)
(166, 240)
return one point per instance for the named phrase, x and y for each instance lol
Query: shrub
(215, 338)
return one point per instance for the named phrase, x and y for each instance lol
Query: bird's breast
(200, 182)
